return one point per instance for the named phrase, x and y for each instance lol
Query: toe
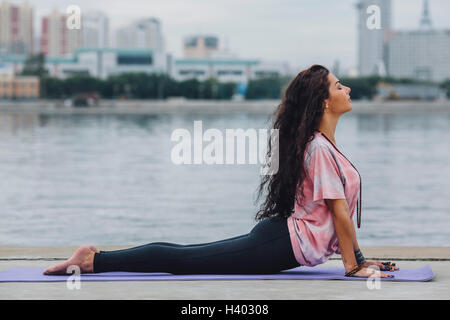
(94, 249)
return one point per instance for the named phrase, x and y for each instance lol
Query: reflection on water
(393, 122)
(108, 179)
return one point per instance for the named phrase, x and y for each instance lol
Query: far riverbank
(209, 107)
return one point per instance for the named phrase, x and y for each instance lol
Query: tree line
(161, 86)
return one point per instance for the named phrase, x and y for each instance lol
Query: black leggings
(265, 249)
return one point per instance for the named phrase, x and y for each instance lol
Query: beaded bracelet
(352, 272)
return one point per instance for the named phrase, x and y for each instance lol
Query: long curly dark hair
(297, 118)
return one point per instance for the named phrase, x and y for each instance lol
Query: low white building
(6, 71)
(409, 91)
(103, 62)
(226, 69)
(97, 62)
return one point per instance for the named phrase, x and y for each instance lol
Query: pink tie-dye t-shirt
(329, 175)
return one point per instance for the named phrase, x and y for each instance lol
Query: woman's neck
(329, 135)
(328, 127)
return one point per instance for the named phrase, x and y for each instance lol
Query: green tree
(226, 90)
(81, 83)
(52, 88)
(265, 88)
(190, 88)
(446, 86)
(362, 87)
(35, 66)
(137, 86)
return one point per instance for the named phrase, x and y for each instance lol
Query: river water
(110, 179)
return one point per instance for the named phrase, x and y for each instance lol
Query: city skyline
(281, 24)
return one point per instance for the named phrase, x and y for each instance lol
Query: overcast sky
(300, 32)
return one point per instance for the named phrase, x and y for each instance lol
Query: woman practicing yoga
(305, 218)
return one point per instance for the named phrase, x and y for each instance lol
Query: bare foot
(83, 258)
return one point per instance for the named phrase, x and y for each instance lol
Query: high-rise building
(142, 34)
(421, 54)
(200, 46)
(95, 30)
(16, 28)
(373, 37)
(56, 38)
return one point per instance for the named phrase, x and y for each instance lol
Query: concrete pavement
(407, 257)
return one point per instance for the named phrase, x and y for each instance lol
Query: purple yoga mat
(300, 273)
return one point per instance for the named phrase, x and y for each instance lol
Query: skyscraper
(56, 38)
(144, 34)
(200, 46)
(94, 30)
(373, 37)
(16, 28)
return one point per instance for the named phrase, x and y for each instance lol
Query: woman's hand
(384, 266)
(369, 272)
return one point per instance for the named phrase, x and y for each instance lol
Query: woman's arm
(355, 242)
(345, 231)
(346, 235)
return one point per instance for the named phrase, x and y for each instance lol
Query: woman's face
(339, 96)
